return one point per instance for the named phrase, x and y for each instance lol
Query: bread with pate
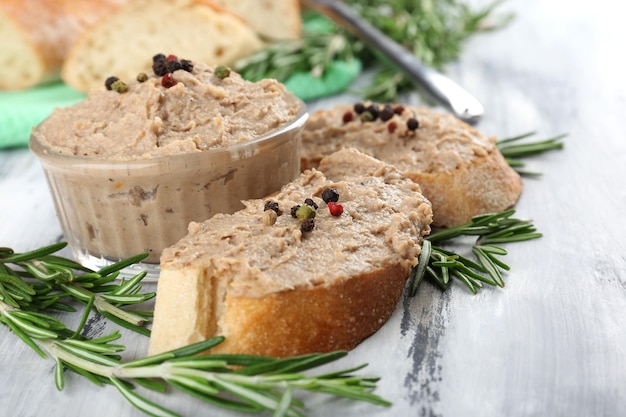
(460, 170)
(277, 287)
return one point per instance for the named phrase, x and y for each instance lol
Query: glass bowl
(111, 210)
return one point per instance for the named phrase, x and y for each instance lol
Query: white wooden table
(551, 343)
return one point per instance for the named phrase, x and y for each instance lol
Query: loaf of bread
(37, 35)
(124, 40)
(272, 20)
(275, 284)
(459, 169)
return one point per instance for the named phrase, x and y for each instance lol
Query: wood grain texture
(552, 343)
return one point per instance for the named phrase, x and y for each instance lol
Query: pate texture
(199, 113)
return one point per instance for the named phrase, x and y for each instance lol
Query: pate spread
(200, 112)
(129, 171)
(383, 221)
(440, 144)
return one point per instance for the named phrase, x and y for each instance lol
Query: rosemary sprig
(239, 382)
(440, 265)
(58, 279)
(512, 150)
(434, 31)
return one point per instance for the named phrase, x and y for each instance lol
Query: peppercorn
(174, 65)
(159, 65)
(171, 57)
(305, 212)
(119, 86)
(412, 123)
(294, 209)
(311, 203)
(335, 209)
(359, 108)
(307, 225)
(109, 82)
(187, 65)
(168, 80)
(348, 117)
(222, 71)
(386, 113)
(373, 109)
(398, 110)
(142, 77)
(392, 126)
(330, 194)
(271, 205)
(366, 116)
(269, 217)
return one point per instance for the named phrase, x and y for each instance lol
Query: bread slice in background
(272, 19)
(122, 43)
(460, 170)
(37, 35)
(275, 290)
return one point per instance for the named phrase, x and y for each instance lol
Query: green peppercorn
(305, 212)
(142, 77)
(307, 225)
(222, 71)
(119, 86)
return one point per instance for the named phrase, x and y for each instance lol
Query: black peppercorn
(330, 194)
(412, 123)
(307, 225)
(109, 82)
(311, 203)
(187, 65)
(386, 113)
(174, 65)
(159, 66)
(294, 209)
(271, 205)
(359, 108)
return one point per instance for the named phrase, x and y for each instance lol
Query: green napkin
(20, 111)
(336, 79)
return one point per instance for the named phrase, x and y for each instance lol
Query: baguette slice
(275, 290)
(37, 35)
(121, 42)
(270, 19)
(460, 170)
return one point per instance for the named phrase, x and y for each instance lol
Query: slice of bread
(274, 289)
(124, 40)
(269, 18)
(37, 35)
(459, 169)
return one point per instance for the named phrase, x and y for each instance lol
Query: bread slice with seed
(124, 40)
(459, 169)
(274, 289)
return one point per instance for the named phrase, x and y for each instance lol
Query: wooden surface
(551, 343)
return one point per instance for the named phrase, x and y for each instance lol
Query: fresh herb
(434, 31)
(512, 151)
(440, 265)
(34, 282)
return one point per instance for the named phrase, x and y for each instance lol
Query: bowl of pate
(132, 165)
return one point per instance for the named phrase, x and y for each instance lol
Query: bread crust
(460, 170)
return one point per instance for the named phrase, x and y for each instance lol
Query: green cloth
(20, 111)
(336, 79)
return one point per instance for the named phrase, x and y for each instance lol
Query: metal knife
(447, 92)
